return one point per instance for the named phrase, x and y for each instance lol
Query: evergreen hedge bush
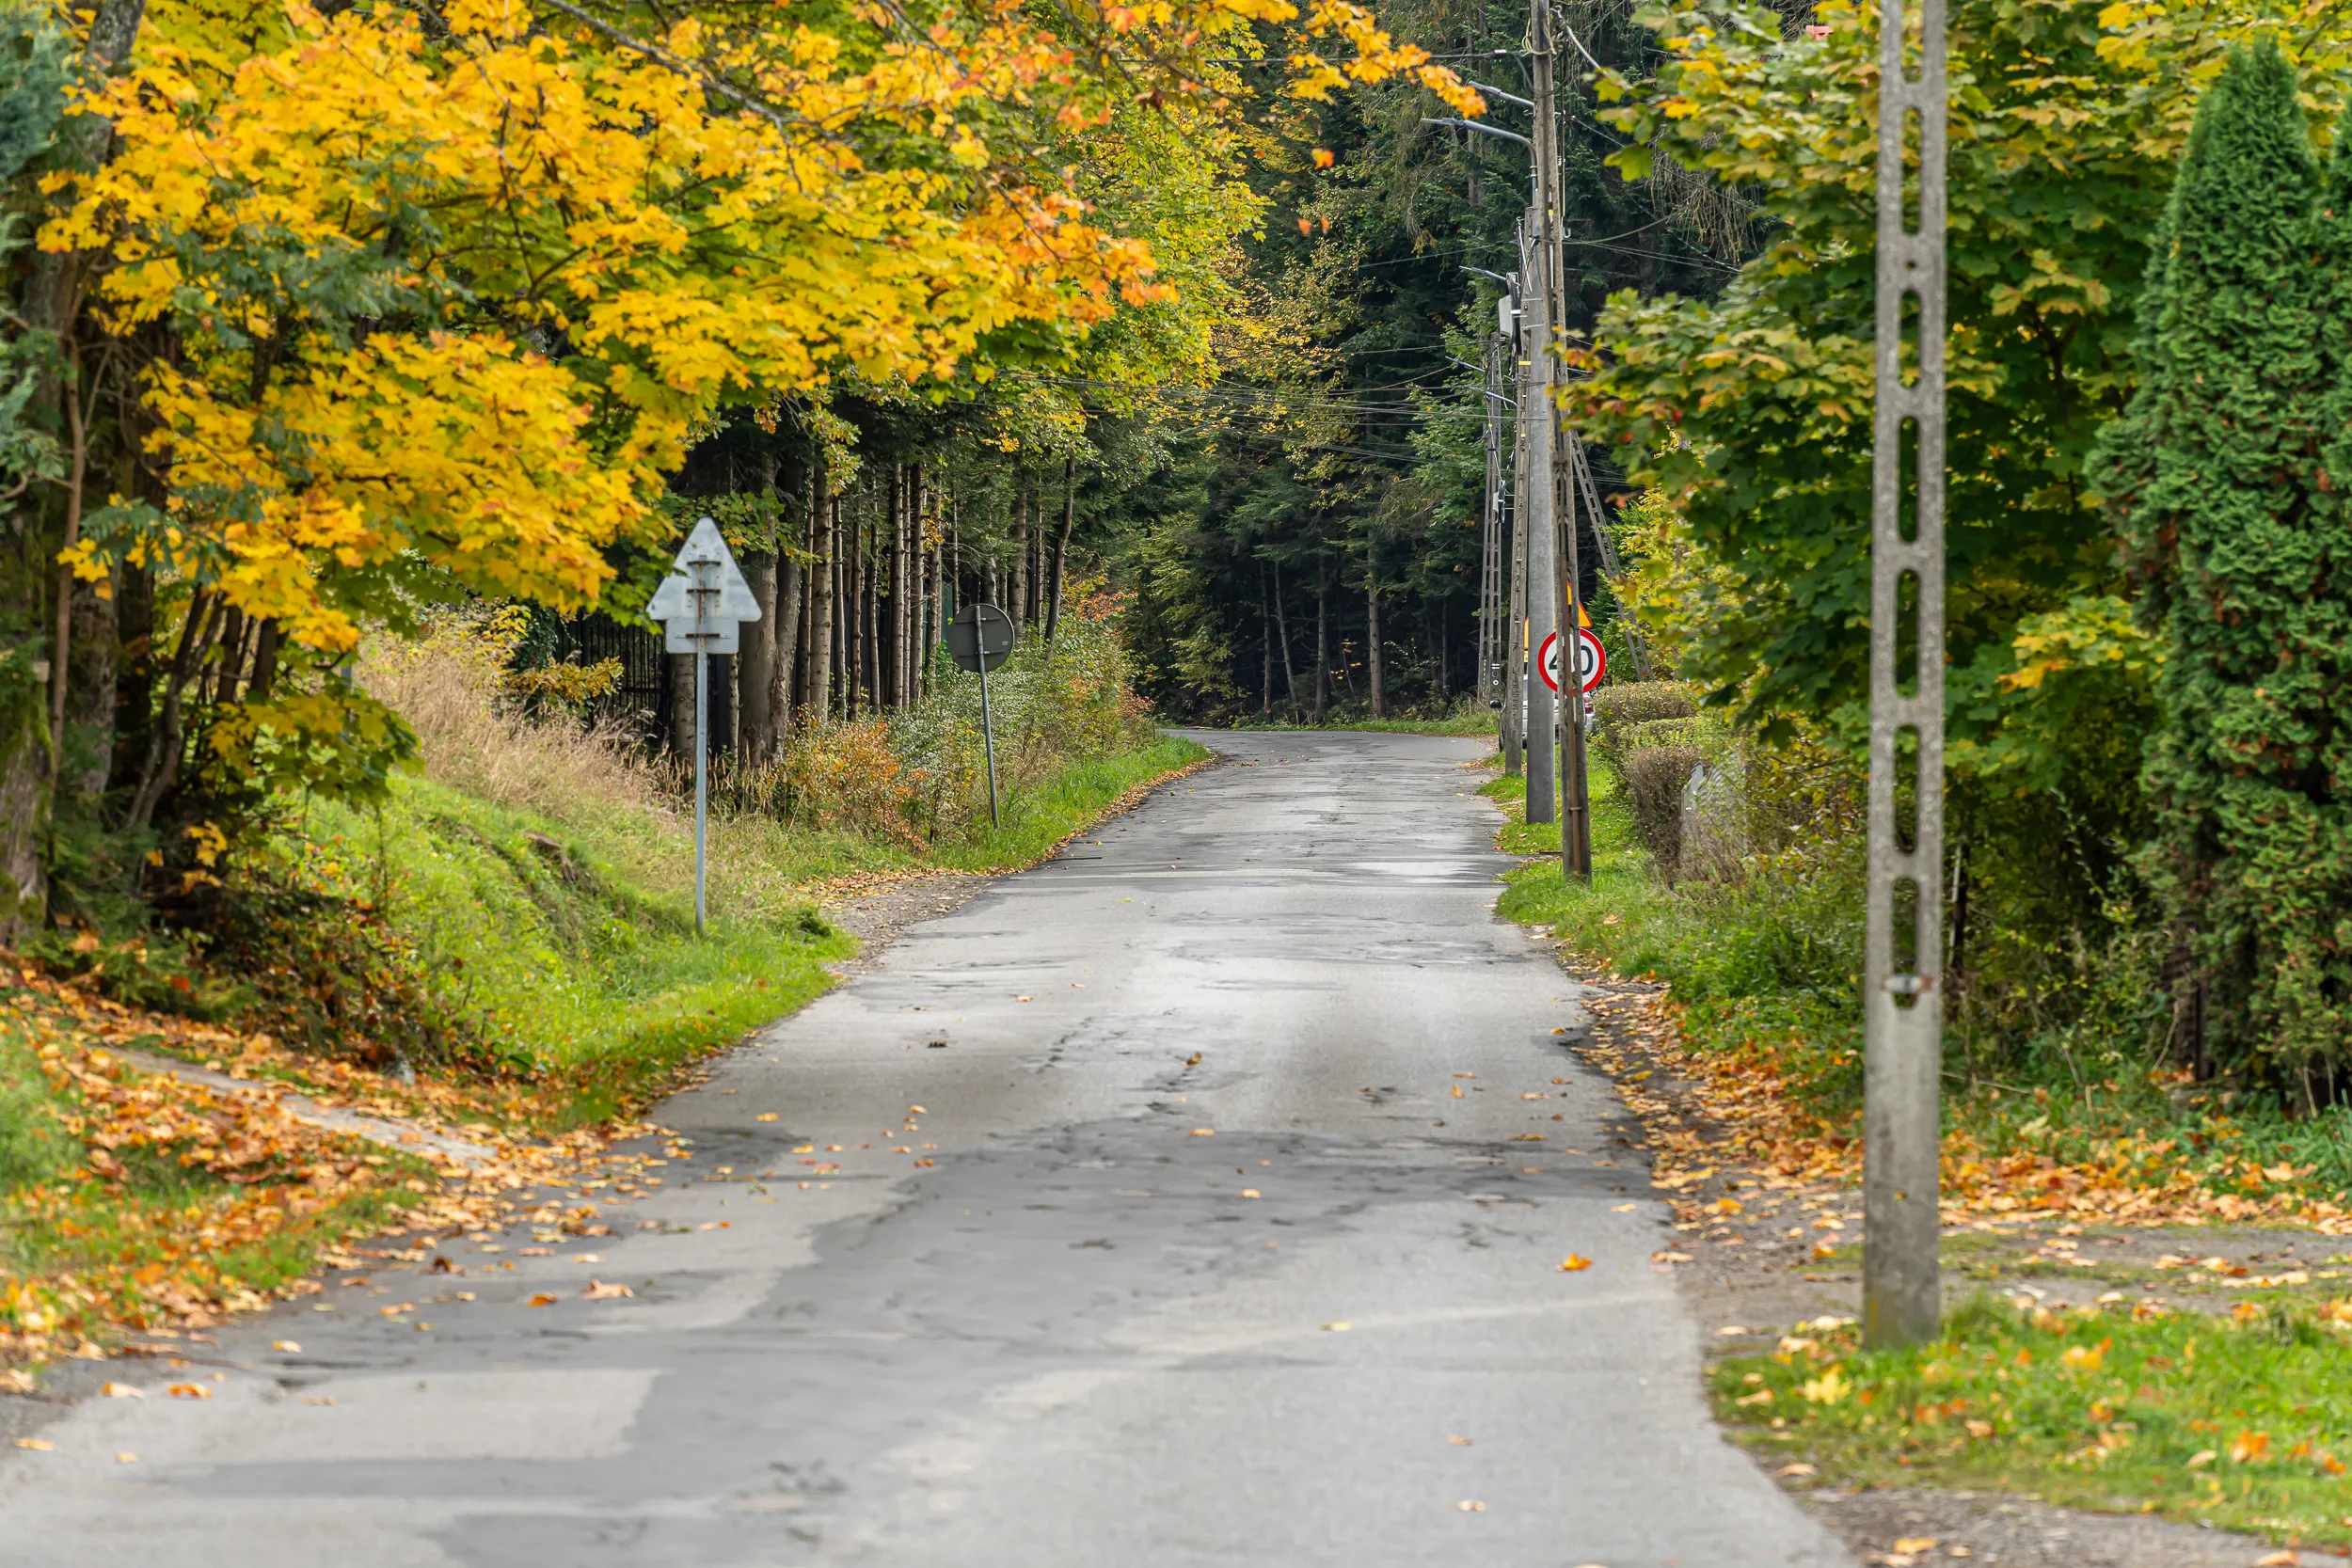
(2226, 480)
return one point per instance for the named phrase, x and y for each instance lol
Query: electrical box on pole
(1903, 940)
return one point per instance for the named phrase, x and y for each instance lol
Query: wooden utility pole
(1558, 597)
(1904, 942)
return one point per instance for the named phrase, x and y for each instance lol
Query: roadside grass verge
(1756, 976)
(2242, 1422)
(130, 1201)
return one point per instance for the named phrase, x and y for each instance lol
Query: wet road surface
(1228, 1230)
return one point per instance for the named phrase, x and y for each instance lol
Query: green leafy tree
(2233, 513)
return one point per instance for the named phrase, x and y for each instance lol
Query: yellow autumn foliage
(447, 304)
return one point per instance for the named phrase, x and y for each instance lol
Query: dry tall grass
(452, 687)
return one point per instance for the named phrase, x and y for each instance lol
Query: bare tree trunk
(1282, 624)
(756, 687)
(1322, 642)
(853, 584)
(1017, 591)
(819, 686)
(264, 664)
(1371, 624)
(1265, 648)
(1037, 560)
(901, 594)
(888, 588)
(162, 766)
(1061, 545)
(90, 714)
(786, 653)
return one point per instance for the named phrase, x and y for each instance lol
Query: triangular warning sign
(704, 562)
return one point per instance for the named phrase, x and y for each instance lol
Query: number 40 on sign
(1591, 659)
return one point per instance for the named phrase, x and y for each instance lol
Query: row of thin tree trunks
(1313, 702)
(856, 602)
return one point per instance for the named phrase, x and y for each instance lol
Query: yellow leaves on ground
(281, 1183)
(600, 1291)
(2085, 1359)
(1830, 1388)
(1575, 1263)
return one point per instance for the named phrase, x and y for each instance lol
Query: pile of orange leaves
(181, 1202)
(1732, 1108)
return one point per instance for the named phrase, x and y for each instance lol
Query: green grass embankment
(566, 944)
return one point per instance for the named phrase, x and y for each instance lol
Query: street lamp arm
(1483, 130)
(1507, 98)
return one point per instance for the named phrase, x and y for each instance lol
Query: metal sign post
(1902, 999)
(980, 638)
(702, 606)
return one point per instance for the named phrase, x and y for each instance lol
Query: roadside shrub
(1654, 777)
(1639, 701)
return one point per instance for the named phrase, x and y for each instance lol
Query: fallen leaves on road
(1339, 1327)
(1470, 1505)
(1461, 1442)
(288, 1346)
(765, 1116)
(1204, 1132)
(1249, 1192)
(38, 1445)
(543, 1298)
(1575, 1261)
(122, 1391)
(599, 1291)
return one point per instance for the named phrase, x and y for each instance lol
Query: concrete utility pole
(1535, 428)
(1515, 644)
(1904, 947)
(1492, 628)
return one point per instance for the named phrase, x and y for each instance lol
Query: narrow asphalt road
(1242, 1151)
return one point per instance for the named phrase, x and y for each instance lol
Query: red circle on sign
(1546, 658)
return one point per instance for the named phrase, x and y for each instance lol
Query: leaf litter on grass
(179, 1203)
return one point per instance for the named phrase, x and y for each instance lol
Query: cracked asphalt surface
(1224, 1227)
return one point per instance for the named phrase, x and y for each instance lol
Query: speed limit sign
(1591, 659)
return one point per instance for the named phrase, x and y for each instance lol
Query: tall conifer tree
(2217, 478)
